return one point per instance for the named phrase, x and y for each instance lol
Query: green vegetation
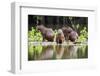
(83, 37)
(34, 35)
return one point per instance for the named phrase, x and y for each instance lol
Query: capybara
(73, 36)
(69, 34)
(60, 37)
(67, 30)
(47, 33)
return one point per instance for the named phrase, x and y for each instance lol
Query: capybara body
(60, 37)
(47, 33)
(69, 34)
(73, 36)
(67, 31)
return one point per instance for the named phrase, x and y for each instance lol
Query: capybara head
(67, 29)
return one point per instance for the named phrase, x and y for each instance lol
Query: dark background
(56, 22)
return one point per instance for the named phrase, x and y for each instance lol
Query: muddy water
(54, 52)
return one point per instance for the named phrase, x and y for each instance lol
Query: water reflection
(53, 52)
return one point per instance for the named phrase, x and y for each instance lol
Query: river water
(57, 51)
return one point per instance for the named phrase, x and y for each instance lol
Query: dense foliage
(34, 35)
(83, 37)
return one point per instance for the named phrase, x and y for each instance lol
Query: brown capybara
(69, 34)
(47, 33)
(60, 37)
(67, 30)
(73, 36)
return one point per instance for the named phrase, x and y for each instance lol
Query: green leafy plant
(34, 35)
(83, 35)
